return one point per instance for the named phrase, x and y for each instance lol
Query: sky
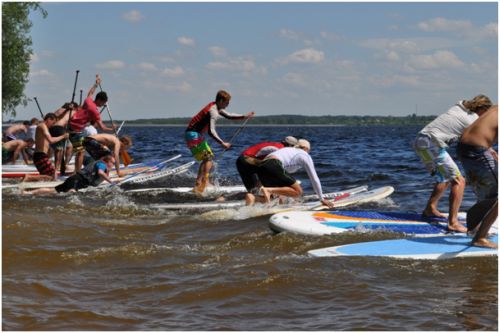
(165, 59)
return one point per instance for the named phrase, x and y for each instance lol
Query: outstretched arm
(94, 86)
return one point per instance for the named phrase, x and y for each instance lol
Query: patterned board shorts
(43, 164)
(481, 170)
(76, 139)
(199, 146)
(436, 159)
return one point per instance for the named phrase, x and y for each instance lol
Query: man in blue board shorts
(480, 162)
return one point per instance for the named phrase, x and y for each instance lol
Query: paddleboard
(438, 247)
(334, 222)
(209, 190)
(158, 174)
(345, 197)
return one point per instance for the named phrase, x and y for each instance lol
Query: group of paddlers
(265, 168)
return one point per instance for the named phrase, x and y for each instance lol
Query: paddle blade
(126, 159)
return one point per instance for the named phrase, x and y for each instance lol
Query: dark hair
(26, 123)
(50, 116)
(101, 96)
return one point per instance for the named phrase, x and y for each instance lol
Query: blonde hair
(126, 141)
(477, 103)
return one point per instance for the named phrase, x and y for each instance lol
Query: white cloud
(408, 45)
(289, 34)
(147, 66)
(442, 24)
(34, 58)
(111, 64)
(392, 56)
(239, 64)
(490, 30)
(41, 72)
(186, 41)
(182, 87)
(173, 72)
(440, 59)
(218, 51)
(330, 36)
(133, 16)
(294, 78)
(311, 56)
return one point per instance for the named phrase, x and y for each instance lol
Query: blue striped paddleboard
(334, 222)
(432, 248)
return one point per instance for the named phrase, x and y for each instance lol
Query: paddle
(63, 162)
(120, 128)
(81, 92)
(39, 109)
(126, 159)
(203, 185)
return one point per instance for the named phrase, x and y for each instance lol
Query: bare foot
(429, 212)
(457, 227)
(266, 194)
(483, 242)
(220, 199)
(249, 199)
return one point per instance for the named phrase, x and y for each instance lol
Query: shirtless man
(99, 145)
(58, 129)
(274, 174)
(13, 131)
(12, 149)
(42, 141)
(480, 162)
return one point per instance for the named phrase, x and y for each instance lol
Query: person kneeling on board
(480, 162)
(274, 174)
(92, 174)
(251, 157)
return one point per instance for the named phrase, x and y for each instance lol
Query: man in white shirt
(430, 145)
(274, 174)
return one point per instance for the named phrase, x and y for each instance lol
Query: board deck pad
(333, 222)
(432, 248)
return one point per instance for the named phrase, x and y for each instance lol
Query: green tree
(16, 52)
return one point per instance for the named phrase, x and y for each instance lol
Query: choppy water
(104, 261)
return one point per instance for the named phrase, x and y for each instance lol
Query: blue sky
(162, 59)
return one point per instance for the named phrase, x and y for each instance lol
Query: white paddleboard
(433, 248)
(335, 222)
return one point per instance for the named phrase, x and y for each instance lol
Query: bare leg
(456, 195)
(44, 190)
(431, 208)
(203, 174)
(288, 191)
(480, 239)
(78, 161)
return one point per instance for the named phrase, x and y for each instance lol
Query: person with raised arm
(86, 114)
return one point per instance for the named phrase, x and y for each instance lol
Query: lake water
(103, 260)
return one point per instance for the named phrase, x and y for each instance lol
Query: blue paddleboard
(334, 222)
(438, 247)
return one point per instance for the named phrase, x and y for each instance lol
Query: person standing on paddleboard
(480, 162)
(274, 174)
(250, 158)
(86, 114)
(43, 140)
(430, 145)
(204, 121)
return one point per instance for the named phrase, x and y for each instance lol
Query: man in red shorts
(42, 141)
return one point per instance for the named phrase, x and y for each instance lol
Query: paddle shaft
(234, 136)
(38, 105)
(63, 161)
